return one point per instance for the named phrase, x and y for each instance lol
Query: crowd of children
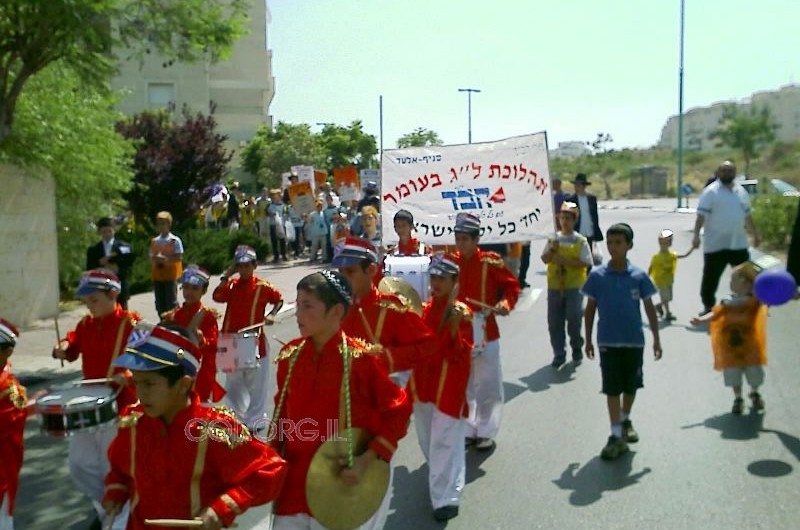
(364, 360)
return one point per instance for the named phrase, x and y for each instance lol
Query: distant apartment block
(241, 87)
(699, 123)
(570, 150)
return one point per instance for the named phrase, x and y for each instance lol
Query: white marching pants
(485, 393)
(303, 521)
(441, 438)
(88, 467)
(247, 393)
(6, 519)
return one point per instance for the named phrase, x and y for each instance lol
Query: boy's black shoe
(659, 310)
(758, 401)
(615, 447)
(445, 512)
(738, 406)
(670, 317)
(705, 311)
(558, 362)
(629, 434)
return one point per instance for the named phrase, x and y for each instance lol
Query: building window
(160, 94)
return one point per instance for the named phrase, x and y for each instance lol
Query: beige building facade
(700, 122)
(241, 87)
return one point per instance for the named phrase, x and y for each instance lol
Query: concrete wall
(28, 246)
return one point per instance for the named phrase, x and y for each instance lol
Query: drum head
(332, 503)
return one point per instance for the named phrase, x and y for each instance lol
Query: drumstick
(248, 328)
(94, 381)
(481, 304)
(371, 335)
(58, 334)
(180, 523)
(279, 341)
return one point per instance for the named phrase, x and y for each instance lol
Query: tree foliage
(746, 130)
(419, 137)
(174, 162)
(67, 127)
(82, 34)
(272, 152)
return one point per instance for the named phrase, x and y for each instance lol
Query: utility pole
(469, 92)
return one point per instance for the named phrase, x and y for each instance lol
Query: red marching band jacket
(203, 458)
(442, 378)
(186, 316)
(246, 305)
(98, 342)
(484, 277)
(313, 407)
(12, 427)
(405, 337)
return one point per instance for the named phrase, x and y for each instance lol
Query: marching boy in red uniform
(175, 458)
(312, 390)
(201, 323)
(439, 389)
(12, 426)
(487, 286)
(247, 297)
(380, 318)
(98, 339)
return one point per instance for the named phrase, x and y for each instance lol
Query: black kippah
(337, 281)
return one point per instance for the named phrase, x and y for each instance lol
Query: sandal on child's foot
(758, 401)
(738, 406)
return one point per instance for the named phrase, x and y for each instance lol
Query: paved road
(697, 465)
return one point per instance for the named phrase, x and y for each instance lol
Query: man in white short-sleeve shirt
(724, 210)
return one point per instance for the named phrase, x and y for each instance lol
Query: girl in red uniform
(12, 426)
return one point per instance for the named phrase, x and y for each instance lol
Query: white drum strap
(117, 346)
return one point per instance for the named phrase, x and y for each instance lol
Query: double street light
(469, 92)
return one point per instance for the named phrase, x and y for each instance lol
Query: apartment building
(700, 122)
(241, 87)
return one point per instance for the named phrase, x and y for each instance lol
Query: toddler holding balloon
(738, 328)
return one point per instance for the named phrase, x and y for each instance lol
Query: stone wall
(28, 246)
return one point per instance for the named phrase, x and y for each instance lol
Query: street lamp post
(469, 92)
(680, 114)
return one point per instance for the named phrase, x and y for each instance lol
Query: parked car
(776, 186)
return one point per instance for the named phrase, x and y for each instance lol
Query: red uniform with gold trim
(377, 405)
(442, 378)
(484, 277)
(100, 340)
(12, 426)
(185, 316)
(405, 337)
(407, 249)
(246, 304)
(203, 458)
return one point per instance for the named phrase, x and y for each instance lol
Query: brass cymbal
(338, 506)
(400, 287)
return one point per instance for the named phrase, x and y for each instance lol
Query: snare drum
(413, 269)
(66, 411)
(237, 351)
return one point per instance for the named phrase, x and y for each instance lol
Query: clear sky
(570, 67)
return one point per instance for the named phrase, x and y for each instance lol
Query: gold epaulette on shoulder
(167, 315)
(396, 303)
(130, 420)
(265, 283)
(216, 314)
(493, 258)
(234, 435)
(289, 351)
(463, 311)
(17, 395)
(356, 347)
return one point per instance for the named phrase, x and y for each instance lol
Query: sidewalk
(33, 364)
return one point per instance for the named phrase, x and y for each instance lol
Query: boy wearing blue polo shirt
(615, 290)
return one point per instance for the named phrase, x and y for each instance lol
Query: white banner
(505, 183)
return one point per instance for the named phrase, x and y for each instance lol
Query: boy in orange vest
(166, 255)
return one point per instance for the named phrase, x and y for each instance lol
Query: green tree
(66, 127)
(272, 152)
(348, 146)
(174, 162)
(83, 33)
(746, 130)
(419, 137)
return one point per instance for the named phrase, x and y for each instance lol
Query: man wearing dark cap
(113, 254)
(588, 221)
(487, 286)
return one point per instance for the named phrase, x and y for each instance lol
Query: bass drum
(412, 269)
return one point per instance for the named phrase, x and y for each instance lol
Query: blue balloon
(775, 287)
